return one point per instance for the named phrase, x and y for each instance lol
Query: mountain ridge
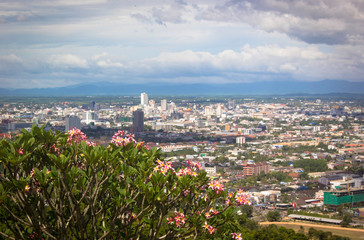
(159, 88)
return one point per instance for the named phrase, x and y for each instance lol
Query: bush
(61, 186)
(274, 216)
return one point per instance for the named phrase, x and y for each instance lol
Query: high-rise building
(88, 117)
(91, 105)
(164, 105)
(72, 122)
(144, 99)
(138, 121)
(231, 104)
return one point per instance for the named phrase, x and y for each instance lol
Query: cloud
(313, 21)
(10, 64)
(69, 42)
(254, 64)
(67, 61)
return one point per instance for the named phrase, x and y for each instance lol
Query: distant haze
(260, 88)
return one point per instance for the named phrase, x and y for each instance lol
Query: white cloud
(67, 61)
(108, 63)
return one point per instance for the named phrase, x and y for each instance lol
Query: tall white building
(164, 105)
(88, 117)
(144, 99)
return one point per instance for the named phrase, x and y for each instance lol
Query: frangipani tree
(61, 186)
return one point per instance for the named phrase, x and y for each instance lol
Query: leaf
(31, 141)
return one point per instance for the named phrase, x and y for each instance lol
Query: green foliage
(274, 216)
(322, 235)
(277, 233)
(311, 165)
(347, 219)
(55, 187)
(247, 210)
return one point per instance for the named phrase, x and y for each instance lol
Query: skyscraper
(89, 117)
(144, 99)
(72, 122)
(164, 104)
(138, 121)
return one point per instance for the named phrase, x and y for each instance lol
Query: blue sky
(46, 43)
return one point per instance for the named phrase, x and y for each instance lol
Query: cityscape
(300, 156)
(182, 119)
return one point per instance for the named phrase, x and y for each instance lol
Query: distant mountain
(255, 88)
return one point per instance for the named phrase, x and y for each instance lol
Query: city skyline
(62, 43)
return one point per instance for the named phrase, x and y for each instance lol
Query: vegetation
(274, 216)
(62, 186)
(58, 186)
(311, 165)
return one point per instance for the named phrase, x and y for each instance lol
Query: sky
(53, 43)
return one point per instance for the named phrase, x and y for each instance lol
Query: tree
(347, 219)
(61, 186)
(247, 209)
(274, 216)
(311, 165)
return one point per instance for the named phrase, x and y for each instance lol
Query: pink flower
(241, 198)
(163, 167)
(195, 165)
(216, 185)
(177, 219)
(91, 143)
(236, 236)
(20, 151)
(55, 149)
(32, 172)
(209, 228)
(75, 135)
(186, 192)
(122, 138)
(186, 171)
(213, 211)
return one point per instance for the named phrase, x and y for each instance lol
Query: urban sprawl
(301, 157)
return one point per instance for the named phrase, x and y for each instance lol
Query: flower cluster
(228, 200)
(163, 167)
(211, 213)
(177, 219)
(34, 185)
(55, 149)
(209, 228)
(76, 135)
(122, 138)
(20, 151)
(236, 236)
(216, 185)
(240, 198)
(186, 171)
(204, 196)
(194, 165)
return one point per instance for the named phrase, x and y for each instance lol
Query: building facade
(72, 122)
(138, 121)
(144, 99)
